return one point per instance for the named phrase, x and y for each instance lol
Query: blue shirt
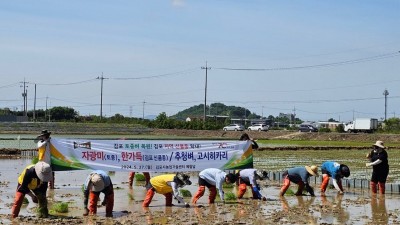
(332, 169)
(298, 174)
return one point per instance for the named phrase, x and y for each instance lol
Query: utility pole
(262, 112)
(385, 93)
(294, 116)
(25, 95)
(144, 102)
(34, 106)
(101, 95)
(205, 93)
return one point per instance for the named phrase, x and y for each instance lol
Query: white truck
(366, 125)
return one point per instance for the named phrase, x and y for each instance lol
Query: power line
(72, 83)
(156, 76)
(367, 59)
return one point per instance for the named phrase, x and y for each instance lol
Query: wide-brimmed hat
(44, 133)
(43, 171)
(313, 170)
(379, 144)
(97, 181)
(182, 179)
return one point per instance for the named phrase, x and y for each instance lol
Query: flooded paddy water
(356, 206)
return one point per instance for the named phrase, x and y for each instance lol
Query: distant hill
(215, 109)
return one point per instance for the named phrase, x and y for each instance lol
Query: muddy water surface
(355, 207)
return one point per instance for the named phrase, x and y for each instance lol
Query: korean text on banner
(149, 156)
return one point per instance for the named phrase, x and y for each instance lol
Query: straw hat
(379, 144)
(43, 171)
(313, 170)
(97, 181)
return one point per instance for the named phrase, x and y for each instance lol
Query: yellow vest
(34, 182)
(160, 183)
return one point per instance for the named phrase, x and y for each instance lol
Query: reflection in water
(378, 210)
(332, 210)
(156, 218)
(301, 209)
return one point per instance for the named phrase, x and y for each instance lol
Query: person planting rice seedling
(249, 177)
(213, 179)
(33, 181)
(167, 185)
(300, 176)
(336, 171)
(98, 182)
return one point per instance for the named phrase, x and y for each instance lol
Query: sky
(316, 59)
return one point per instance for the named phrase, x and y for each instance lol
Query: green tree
(60, 113)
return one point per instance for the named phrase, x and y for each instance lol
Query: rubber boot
(373, 187)
(199, 194)
(18, 199)
(149, 196)
(42, 211)
(300, 189)
(146, 177)
(109, 204)
(93, 199)
(325, 182)
(381, 188)
(213, 194)
(168, 199)
(130, 179)
(242, 190)
(286, 184)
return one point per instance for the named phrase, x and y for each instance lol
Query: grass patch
(60, 207)
(230, 196)
(225, 185)
(289, 192)
(130, 196)
(139, 177)
(185, 193)
(25, 201)
(35, 160)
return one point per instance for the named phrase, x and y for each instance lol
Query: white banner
(149, 156)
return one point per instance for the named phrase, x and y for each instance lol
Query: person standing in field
(337, 172)
(245, 137)
(378, 158)
(44, 153)
(300, 176)
(213, 179)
